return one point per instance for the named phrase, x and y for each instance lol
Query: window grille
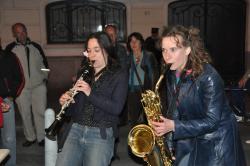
(71, 21)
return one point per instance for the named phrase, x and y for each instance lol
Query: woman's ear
(187, 50)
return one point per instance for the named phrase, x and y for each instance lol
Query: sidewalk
(34, 155)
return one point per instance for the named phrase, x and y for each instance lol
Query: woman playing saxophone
(95, 114)
(203, 126)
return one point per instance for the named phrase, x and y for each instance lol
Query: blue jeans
(8, 133)
(85, 147)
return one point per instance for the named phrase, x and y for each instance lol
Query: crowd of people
(197, 114)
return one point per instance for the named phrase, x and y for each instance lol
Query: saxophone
(142, 139)
(87, 73)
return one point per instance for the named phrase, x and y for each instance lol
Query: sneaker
(248, 141)
(28, 143)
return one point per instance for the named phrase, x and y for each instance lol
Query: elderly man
(33, 99)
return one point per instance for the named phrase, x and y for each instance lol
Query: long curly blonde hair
(190, 38)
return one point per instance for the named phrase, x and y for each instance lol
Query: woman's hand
(83, 87)
(64, 98)
(163, 127)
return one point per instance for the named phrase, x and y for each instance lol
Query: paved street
(34, 155)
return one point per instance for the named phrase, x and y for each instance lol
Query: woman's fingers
(157, 127)
(83, 87)
(163, 126)
(65, 97)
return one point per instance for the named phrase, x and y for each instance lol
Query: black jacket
(11, 76)
(108, 100)
(205, 126)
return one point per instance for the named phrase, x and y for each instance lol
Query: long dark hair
(190, 38)
(105, 43)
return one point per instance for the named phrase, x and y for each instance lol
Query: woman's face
(96, 54)
(174, 55)
(135, 44)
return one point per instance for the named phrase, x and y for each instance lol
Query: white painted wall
(141, 16)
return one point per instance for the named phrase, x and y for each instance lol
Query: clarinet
(87, 73)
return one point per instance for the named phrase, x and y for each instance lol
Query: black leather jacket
(205, 126)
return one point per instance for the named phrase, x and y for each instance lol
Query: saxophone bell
(141, 139)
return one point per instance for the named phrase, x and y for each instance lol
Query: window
(71, 21)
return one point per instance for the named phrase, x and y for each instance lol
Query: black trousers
(135, 110)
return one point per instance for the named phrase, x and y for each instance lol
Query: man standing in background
(152, 44)
(33, 99)
(122, 58)
(120, 51)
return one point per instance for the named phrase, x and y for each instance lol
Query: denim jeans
(8, 133)
(85, 147)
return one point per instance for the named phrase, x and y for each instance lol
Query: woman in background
(143, 74)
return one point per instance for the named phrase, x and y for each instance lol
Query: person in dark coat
(152, 44)
(203, 127)
(121, 57)
(11, 85)
(120, 51)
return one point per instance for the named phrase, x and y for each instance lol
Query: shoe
(28, 143)
(41, 143)
(248, 141)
